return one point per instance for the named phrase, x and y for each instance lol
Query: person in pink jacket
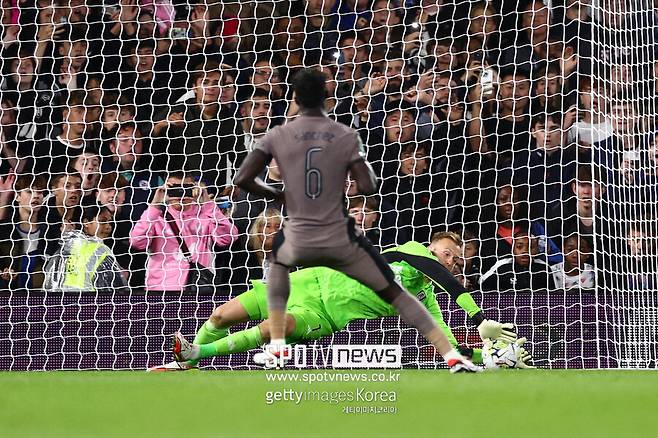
(201, 223)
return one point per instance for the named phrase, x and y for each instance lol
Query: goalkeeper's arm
(444, 279)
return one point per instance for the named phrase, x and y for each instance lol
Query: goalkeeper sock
(243, 340)
(207, 333)
(477, 356)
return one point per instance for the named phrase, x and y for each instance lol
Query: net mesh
(525, 127)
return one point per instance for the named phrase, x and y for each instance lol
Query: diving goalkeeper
(324, 301)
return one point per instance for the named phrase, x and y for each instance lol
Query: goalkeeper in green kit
(323, 301)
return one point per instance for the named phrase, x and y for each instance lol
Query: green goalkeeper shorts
(304, 304)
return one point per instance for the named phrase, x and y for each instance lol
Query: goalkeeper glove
(523, 356)
(490, 329)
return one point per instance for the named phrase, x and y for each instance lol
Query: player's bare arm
(247, 177)
(364, 176)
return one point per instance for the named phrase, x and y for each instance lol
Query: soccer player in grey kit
(314, 155)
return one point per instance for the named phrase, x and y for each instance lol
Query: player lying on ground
(324, 301)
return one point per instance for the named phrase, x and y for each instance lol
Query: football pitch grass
(511, 403)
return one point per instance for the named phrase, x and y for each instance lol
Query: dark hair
(251, 93)
(146, 44)
(92, 212)
(310, 86)
(570, 237)
(127, 104)
(469, 236)
(370, 202)
(516, 70)
(584, 175)
(113, 180)
(128, 124)
(76, 98)
(522, 232)
(204, 68)
(37, 182)
(347, 35)
(182, 175)
(399, 105)
(55, 179)
(412, 148)
(542, 118)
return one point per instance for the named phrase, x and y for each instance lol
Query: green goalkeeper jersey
(414, 266)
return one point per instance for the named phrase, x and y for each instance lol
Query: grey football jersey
(314, 155)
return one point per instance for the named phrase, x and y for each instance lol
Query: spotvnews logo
(337, 356)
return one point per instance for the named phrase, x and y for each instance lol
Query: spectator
(471, 270)
(575, 271)
(576, 213)
(386, 28)
(109, 116)
(289, 40)
(261, 237)
(642, 256)
(127, 158)
(256, 113)
(6, 194)
(69, 68)
(531, 47)
(625, 123)
(84, 263)
(521, 271)
(548, 91)
(11, 158)
(30, 93)
(443, 54)
(321, 29)
(483, 30)
(111, 195)
(266, 76)
(435, 96)
(546, 166)
(186, 207)
(63, 211)
(353, 15)
(593, 125)
(497, 236)
(410, 194)
(147, 87)
(56, 155)
(88, 166)
(505, 124)
(365, 212)
(352, 63)
(451, 166)
(202, 136)
(22, 253)
(399, 130)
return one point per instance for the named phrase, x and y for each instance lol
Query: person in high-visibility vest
(84, 262)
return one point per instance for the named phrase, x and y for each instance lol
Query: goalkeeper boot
(172, 366)
(273, 356)
(183, 350)
(463, 365)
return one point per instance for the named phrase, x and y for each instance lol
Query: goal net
(526, 129)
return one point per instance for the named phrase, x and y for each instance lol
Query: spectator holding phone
(182, 218)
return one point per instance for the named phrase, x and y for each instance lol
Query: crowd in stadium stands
(478, 117)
